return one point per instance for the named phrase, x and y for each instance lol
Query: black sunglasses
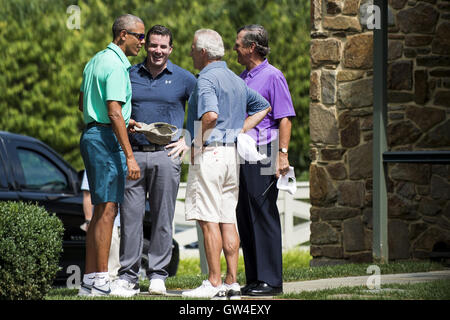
(140, 36)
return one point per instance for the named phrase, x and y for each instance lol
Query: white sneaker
(157, 287)
(85, 289)
(233, 291)
(206, 290)
(124, 288)
(221, 294)
(101, 290)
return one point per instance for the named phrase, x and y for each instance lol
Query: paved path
(291, 287)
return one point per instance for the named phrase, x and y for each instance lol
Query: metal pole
(380, 209)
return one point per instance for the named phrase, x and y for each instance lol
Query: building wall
(341, 125)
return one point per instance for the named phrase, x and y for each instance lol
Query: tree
(41, 59)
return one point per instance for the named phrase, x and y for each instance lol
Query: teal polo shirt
(106, 78)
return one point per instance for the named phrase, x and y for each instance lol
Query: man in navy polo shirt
(160, 91)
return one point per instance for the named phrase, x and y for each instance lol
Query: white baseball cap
(246, 147)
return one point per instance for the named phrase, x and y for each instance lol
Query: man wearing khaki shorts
(216, 114)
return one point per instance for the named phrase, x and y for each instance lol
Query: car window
(40, 173)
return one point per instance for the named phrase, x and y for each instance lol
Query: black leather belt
(149, 148)
(99, 124)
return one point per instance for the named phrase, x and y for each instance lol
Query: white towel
(288, 182)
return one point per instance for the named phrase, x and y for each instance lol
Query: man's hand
(133, 123)
(177, 148)
(251, 121)
(282, 164)
(134, 172)
(209, 120)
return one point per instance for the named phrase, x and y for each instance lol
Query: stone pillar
(341, 128)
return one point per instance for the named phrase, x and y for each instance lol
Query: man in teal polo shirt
(105, 100)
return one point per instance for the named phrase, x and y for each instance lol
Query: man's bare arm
(254, 119)
(120, 130)
(285, 137)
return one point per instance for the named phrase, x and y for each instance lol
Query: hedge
(30, 247)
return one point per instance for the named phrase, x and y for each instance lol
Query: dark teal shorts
(105, 164)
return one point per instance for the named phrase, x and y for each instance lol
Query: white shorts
(213, 186)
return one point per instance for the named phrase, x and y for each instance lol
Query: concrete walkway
(299, 286)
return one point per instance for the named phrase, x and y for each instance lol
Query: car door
(37, 173)
(42, 177)
(7, 185)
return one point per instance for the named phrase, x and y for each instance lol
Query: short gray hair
(211, 41)
(255, 33)
(125, 22)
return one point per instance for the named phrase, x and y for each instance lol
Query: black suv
(31, 171)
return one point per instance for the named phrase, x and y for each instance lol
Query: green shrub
(30, 246)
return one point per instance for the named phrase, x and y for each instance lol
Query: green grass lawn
(296, 268)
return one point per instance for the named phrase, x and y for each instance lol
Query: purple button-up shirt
(271, 84)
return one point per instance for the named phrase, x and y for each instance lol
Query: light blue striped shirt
(220, 90)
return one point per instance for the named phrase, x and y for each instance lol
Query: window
(41, 174)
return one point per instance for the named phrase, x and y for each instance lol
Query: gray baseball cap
(158, 132)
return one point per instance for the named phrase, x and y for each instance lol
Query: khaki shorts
(213, 186)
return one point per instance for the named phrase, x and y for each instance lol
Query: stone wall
(341, 129)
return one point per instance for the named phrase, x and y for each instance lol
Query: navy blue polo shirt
(162, 99)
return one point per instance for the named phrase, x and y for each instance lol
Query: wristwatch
(283, 150)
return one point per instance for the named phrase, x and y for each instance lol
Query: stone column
(341, 128)
(340, 124)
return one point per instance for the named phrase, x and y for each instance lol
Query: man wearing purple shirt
(257, 213)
